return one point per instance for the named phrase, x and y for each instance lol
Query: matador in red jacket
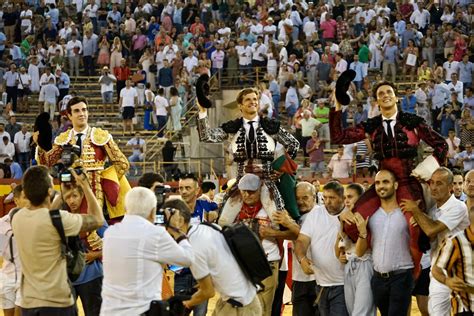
(395, 137)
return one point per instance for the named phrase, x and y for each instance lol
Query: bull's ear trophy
(202, 91)
(342, 86)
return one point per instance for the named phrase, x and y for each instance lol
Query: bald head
(305, 196)
(469, 184)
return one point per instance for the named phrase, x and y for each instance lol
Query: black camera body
(160, 193)
(62, 171)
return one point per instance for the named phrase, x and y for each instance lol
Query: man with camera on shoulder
(45, 286)
(133, 251)
(214, 266)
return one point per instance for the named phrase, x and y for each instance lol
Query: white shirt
(161, 104)
(217, 58)
(390, 241)
(7, 150)
(91, 10)
(392, 123)
(213, 257)
(259, 51)
(190, 62)
(458, 87)
(453, 213)
(420, 18)
(245, 55)
(26, 22)
(309, 28)
(340, 166)
(128, 96)
(106, 87)
(246, 124)
(133, 251)
(297, 272)
(450, 67)
(341, 66)
(22, 141)
(44, 80)
(264, 100)
(70, 48)
(256, 29)
(322, 228)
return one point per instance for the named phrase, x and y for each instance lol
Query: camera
(160, 193)
(62, 171)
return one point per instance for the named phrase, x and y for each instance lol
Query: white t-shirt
(297, 273)
(161, 104)
(212, 256)
(128, 96)
(269, 246)
(454, 215)
(323, 228)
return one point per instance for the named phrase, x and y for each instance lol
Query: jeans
(276, 105)
(161, 124)
(185, 281)
(107, 97)
(332, 302)
(24, 160)
(89, 65)
(392, 295)
(303, 297)
(12, 95)
(90, 294)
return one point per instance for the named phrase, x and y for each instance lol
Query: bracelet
(364, 236)
(181, 238)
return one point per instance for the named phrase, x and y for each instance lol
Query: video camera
(160, 193)
(62, 170)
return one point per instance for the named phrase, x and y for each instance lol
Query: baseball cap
(249, 182)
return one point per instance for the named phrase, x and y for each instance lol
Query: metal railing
(189, 116)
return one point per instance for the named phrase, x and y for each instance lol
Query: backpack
(71, 248)
(247, 250)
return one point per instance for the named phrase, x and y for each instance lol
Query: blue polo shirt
(202, 206)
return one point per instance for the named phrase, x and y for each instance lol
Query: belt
(387, 275)
(234, 303)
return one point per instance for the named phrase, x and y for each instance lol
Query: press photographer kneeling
(133, 251)
(45, 287)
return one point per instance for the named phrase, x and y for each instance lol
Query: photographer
(133, 251)
(45, 286)
(89, 284)
(107, 81)
(214, 266)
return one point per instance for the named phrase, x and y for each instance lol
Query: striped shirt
(456, 259)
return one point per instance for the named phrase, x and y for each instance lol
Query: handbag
(153, 69)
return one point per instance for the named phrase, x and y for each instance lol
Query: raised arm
(340, 135)
(288, 141)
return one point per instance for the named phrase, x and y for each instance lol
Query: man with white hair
(138, 247)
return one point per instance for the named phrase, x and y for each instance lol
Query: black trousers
(90, 294)
(89, 65)
(50, 311)
(63, 93)
(120, 86)
(303, 298)
(12, 95)
(278, 298)
(392, 295)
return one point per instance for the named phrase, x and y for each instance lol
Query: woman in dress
(411, 49)
(176, 108)
(467, 127)
(33, 71)
(273, 58)
(149, 103)
(428, 45)
(104, 54)
(146, 61)
(460, 47)
(116, 53)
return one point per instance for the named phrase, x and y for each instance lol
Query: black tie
(251, 147)
(79, 141)
(389, 129)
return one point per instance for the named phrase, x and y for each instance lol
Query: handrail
(190, 117)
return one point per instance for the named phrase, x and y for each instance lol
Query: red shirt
(122, 73)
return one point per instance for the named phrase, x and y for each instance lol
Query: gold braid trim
(117, 158)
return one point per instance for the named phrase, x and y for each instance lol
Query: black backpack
(247, 250)
(71, 248)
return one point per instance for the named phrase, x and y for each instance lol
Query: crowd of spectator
(293, 50)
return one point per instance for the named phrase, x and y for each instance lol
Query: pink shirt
(329, 29)
(139, 42)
